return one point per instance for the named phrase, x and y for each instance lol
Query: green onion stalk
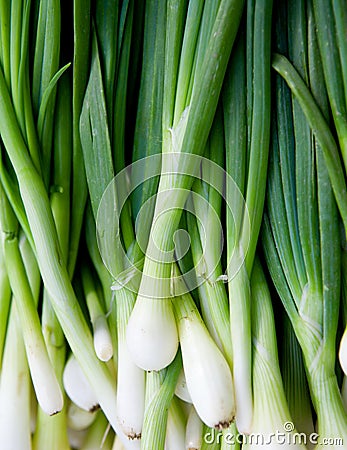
(206, 240)
(320, 128)
(15, 388)
(40, 107)
(194, 428)
(101, 333)
(246, 105)
(272, 425)
(294, 376)
(103, 275)
(176, 425)
(295, 381)
(5, 302)
(330, 19)
(53, 430)
(46, 385)
(147, 142)
(160, 397)
(104, 156)
(99, 434)
(80, 73)
(301, 226)
(45, 66)
(77, 386)
(99, 170)
(130, 377)
(118, 292)
(50, 260)
(79, 419)
(15, 384)
(331, 37)
(185, 133)
(207, 373)
(15, 20)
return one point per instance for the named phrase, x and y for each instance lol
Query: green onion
(190, 135)
(271, 413)
(330, 34)
(248, 166)
(130, 378)
(181, 390)
(102, 338)
(156, 413)
(206, 253)
(5, 295)
(169, 212)
(54, 274)
(15, 388)
(99, 435)
(78, 418)
(320, 128)
(45, 66)
(81, 34)
(45, 382)
(310, 293)
(207, 373)
(295, 381)
(53, 430)
(175, 429)
(193, 430)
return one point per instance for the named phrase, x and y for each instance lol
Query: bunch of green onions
(173, 218)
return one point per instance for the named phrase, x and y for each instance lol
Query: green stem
(54, 273)
(332, 60)
(154, 427)
(81, 62)
(15, 389)
(320, 129)
(5, 302)
(52, 431)
(327, 400)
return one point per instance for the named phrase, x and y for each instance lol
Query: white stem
(102, 336)
(175, 428)
(78, 418)
(47, 389)
(102, 339)
(130, 378)
(15, 418)
(45, 382)
(181, 388)
(207, 373)
(76, 437)
(130, 393)
(239, 297)
(194, 431)
(152, 333)
(77, 386)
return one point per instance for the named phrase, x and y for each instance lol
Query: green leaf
(94, 133)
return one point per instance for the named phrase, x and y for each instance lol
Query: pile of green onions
(173, 217)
